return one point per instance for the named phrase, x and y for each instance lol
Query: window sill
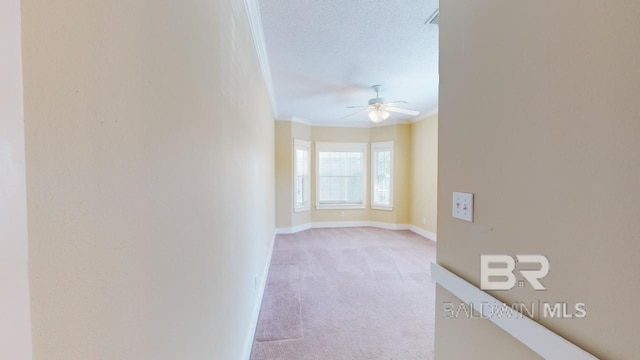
(301, 209)
(340, 207)
(385, 208)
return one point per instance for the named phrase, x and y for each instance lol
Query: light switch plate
(463, 206)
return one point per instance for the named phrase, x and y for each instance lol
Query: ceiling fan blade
(402, 111)
(396, 102)
(357, 107)
(355, 113)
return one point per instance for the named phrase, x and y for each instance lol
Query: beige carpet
(351, 293)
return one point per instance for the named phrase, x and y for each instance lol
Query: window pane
(300, 157)
(299, 190)
(340, 177)
(301, 177)
(382, 177)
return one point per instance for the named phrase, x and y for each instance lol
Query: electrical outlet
(341, 213)
(463, 206)
(424, 221)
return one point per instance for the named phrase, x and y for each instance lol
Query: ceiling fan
(379, 109)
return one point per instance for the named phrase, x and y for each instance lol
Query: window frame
(375, 147)
(305, 146)
(342, 147)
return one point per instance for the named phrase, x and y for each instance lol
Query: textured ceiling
(324, 55)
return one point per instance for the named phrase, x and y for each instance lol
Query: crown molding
(302, 121)
(431, 112)
(255, 22)
(426, 115)
(342, 124)
(361, 124)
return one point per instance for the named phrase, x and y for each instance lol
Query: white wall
(150, 178)
(15, 325)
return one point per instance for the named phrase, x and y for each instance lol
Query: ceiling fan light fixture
(379, 110)
(377, 115)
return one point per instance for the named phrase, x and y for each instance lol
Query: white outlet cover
(463, 206)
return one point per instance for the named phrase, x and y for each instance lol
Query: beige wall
(283, 173)
(540, 121)
(286, 132)
(150, 167)
(424, 174)
(402, 136)
(15, 325)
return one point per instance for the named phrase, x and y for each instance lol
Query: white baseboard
(248, 341)
(389, 226)
(339, 224)
(424, 233)
(283, 231)
(295, 229)
(344, 224)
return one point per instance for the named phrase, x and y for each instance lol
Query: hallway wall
(539, 118)
(149, 137)
(15, 323)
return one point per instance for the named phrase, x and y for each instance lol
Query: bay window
(341, 170)
(301, 171)
(382, 175)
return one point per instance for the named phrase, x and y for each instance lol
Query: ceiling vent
(434, 18)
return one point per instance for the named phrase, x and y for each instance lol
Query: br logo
(496, 271)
